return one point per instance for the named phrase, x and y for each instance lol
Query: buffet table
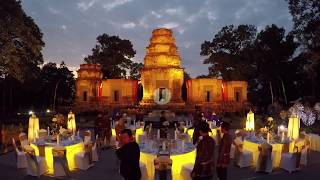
(181, 155)
(43, 147)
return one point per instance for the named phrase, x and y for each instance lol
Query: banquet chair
(95, 156)
(36, 165)
(83, 160)
(291, 161)
(20, 156)
(242, 158)
(60, 163)
(304, 155)
(162, 165)
(87, 137)
(186, 170)
(232, 151)
(23, 138)
(144, 172)
(265, 159)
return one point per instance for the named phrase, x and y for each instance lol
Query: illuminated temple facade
(162, 75)
(162, 78)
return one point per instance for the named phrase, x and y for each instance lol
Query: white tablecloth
(276, 151)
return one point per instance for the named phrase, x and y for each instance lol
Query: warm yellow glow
(70, 150)
(177, 162)
(113, 132)
(71, 122)
(250, 121)
(212, 133)
(276, 149)
(293, 127)
(33, 127)
(161, 68)
(139, 131)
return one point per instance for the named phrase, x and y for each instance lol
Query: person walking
(224, 151)
(129, 156)
(197, 119)
(203, 166)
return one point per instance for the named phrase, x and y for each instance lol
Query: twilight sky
(70, 27)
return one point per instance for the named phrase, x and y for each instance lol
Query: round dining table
(181, 155)
(43, 147)
(252, 145)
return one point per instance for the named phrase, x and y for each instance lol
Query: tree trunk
(284, 92)
(270, 85)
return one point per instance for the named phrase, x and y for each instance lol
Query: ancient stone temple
(162, 74)
(94, 93)
(161, 77)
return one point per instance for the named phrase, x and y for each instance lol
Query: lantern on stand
(71, 124)
(250, 121)
(293, 127)
(33, 127)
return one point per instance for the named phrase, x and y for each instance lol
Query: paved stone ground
(106, 169)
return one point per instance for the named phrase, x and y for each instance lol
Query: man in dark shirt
(224, 151)
(129, 156)
(203, 166)
(197, 119)
(163, 132)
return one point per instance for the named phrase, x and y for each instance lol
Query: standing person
(98, 124)
(224, 151)
(197, 119)
(203, 166)
(107, 133)
(129, 156)
(120, 126)
(163, 132)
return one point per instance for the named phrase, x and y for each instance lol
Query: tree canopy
(261, 58)
(226, 51)
(113, 54)
(20, 42)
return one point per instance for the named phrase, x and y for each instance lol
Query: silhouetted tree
(306, 21)
(113, 54)
(20, 53)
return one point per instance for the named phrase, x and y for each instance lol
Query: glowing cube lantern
(71, 122)
(293, 127)
(250, 121)
(33, 129)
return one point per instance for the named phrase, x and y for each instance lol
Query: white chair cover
(87, 137)
(144, 172)
(291, 161)
(82, 160)
(264, 162)
(242, 158)
(186, 170)
(95, 156)
(23, 139)
(20, 155)
(60, 163)
(37, 165)
(304, 156)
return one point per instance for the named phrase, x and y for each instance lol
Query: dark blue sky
(70, 27)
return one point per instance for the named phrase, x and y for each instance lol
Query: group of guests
(205, 161)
